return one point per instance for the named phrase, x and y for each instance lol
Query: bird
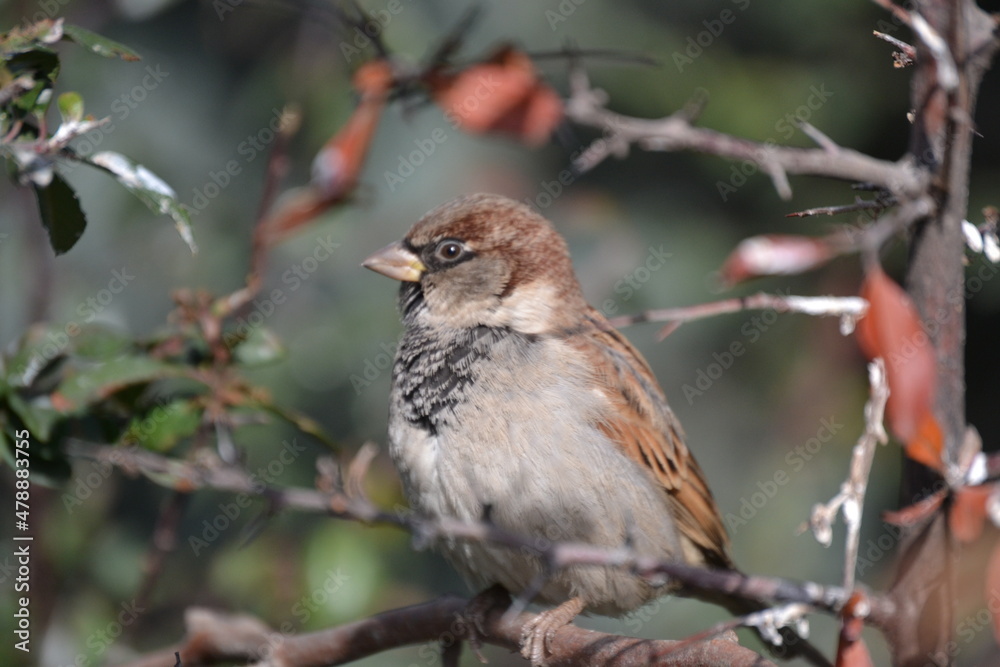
(512, 396)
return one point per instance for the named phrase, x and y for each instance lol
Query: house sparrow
(510, 392)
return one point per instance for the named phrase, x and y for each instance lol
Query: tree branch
(676, 132)
(214, 638)
(349, 503)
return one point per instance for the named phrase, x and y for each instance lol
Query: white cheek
(529, 309)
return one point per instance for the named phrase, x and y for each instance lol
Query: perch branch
(331, 498)
(214, 638)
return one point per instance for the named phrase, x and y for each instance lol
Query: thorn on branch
(820, 139)
(877, 205)
(905, 56)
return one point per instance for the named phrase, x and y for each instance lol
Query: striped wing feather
(646, 429)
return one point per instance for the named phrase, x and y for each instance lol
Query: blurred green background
(223, 70)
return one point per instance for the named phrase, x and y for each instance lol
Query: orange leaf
(992, 591)
(374, 78)
(853, 653)
(502, 94)
(968, 512)
(851, 649)
(891, 329)
(295, 209)
(534, 118)
(918, 512)
(926, 446)
(337, 166)
(774, 254)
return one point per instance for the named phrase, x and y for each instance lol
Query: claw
(539, 631)
(473, 617)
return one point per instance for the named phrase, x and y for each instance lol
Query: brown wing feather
(648, 432)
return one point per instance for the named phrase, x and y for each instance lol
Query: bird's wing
(644, 426)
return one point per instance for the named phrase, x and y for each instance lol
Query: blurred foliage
(28, 72)
(98, 327)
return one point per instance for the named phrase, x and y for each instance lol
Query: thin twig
(162, 543)
(905, 56)
(586, 106)
(877, 205)
(848, 307)
(851, 498)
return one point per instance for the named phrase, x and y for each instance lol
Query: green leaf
(20, 39)
(39, 352)
(48, 467)
(42, 65)
(99, 44)
(149, 188)
(164, 426)
(97, 342)
(300, 421)
(61, 214)
(86, 386)
(260, 347)
(38, 415)
(71, 106)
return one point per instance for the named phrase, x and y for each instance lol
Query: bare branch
(214, 638)
(905, 56)
(676, 132)
(210, 472)
(851, 498)
(848, 308)
(877, 205)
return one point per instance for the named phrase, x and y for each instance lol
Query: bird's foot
(539, 631)
(473, 617)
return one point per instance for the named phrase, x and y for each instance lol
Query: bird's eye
(449, 250)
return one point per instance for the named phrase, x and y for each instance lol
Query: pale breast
(481, 420)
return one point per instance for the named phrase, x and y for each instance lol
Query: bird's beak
(397, 263)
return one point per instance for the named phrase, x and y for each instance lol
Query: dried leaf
(853, 653)
(918, 512)
(891, 329)
(502, 94)
(774, 254)
(851, 649)
(968, 512)
(337, 166)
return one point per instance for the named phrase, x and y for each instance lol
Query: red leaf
(927, 444)
(918, 512)
(774, 254)
(293, 210)
(992, 591)
(968, 512)
(891, 329)
(338, 164)
(853, 653)
(851, 649)
(502, 94)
